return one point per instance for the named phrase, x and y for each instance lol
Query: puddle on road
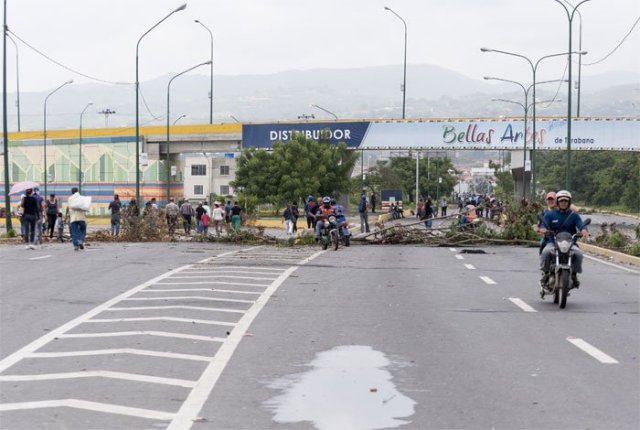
(347, 388)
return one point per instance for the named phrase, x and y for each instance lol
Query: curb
(614, 255)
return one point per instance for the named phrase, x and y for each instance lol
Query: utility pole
(106, 112)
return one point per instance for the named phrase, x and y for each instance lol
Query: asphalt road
(219, 337)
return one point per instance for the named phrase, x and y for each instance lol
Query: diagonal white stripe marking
(213, 290)
(100, 374)
(143, 333)
(211, 299)
(89, 406)
(208, 267)
(470, 266)
(592, 351)
(133, 351)
(195, 308)
(487, 280)
(521, 304)
(452, 249)
(186, 320)
(241, 284)
(459, 257)
(253, 278)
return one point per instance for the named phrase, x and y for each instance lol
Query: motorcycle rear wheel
(564, 288)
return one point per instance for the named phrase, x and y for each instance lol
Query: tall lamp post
(570, 15)
(534, 68)
(326, 110)
(183, 7)
(211, 61)
(18, 79)
(526, 112)
(46, 170)
(179, 118)
(5, 130)
(168, 119)
(404, 82)
(80, 148)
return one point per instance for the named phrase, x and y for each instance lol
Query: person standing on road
(51, 206)
(187, 212)
(171, 211)
(295, 213)
(373, 199)
(60, 226)
(428, 213)
(200, 210)
(31, 211)
(364, 217)
(443, 206)
(227, 212)
(40, 218)
(288, 220)
(115, 206)
(78, 221)
(235, 216)
(218, 217)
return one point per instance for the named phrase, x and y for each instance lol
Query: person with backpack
(362, 209)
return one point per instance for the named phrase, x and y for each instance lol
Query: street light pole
(183, 7)
(17, 79)
(5, 130)
(168, 168)
(80, 149)
(211, 87)
(534, 68)
(404, 84)
(46, 173)
(179, 118)
(326, 110)
(567, 184)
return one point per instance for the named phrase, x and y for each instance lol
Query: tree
(431, 170)
(294, 169)
(505, 185)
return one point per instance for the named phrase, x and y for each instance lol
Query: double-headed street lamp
(168, 119)
(404, 82)
(183, 7)
(534, 68)
(326, 110)
(46, 170)
(570, 15)
(211, 61)
(80, 148)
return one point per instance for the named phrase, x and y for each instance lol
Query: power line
(617, 46)
(67, 67)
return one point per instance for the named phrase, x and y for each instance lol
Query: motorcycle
(560, 281)
(329, 233)
(343, 229)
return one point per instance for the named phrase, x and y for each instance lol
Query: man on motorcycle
(558, 220)
(323, 213)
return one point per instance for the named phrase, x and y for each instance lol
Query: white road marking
(217, 272)
(459, 257)
(592, 350)
(186, 320)
(208, 267)
(215, 290)
(487, 280)
(100, 374)
(470, 266)
(143, 333)
(240, 284)
(132, 351)
(39, 258)
(452, 249)
(521, 304)
(90, 406)
(212, 299)
(206, 383)
(253, 278)
(611, 264)
(195, 308)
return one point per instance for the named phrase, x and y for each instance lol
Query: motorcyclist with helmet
(562, 218)
(323, 214)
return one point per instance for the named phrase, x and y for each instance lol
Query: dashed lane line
(112, 351)
(452, 249)
(199, 395)
(174, 319)
(470, 266)
(459, 257)
(487, 280)
(90, 406)
(143, 333)
(592, 350)
(521, 304)
(153, 308)
(99, 374)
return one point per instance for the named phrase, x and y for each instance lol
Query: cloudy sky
(98, 38)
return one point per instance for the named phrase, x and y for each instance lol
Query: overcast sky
(99, 38)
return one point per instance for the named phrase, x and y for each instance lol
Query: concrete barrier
(614, 255)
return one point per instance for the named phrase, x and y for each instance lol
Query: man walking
(364, 216)
(115, 206)
(39, 218)
(373, 202)
(187, 212)
(78, 218)
(172, 210)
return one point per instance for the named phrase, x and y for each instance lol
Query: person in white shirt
(218, 217)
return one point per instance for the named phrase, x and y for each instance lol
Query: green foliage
(506, 186)
(403, 173)
(292, 170)
(600, 178)
(611, 237)
(519, 220)
(634, 250)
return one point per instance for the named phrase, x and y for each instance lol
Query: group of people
(39, 216)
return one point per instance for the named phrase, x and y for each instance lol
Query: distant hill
(370, 92)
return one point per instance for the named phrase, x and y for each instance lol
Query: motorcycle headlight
(332, 219)
(564, 246)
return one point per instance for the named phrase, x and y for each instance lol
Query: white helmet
(563, 195)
